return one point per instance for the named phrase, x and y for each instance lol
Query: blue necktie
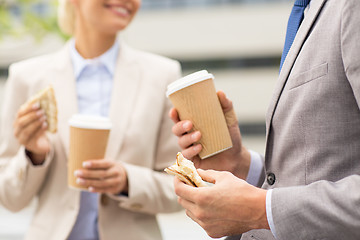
(296, 17)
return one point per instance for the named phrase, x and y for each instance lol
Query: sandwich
(47, 102)
(185, 170)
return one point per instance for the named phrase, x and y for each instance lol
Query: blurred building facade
(239, 41)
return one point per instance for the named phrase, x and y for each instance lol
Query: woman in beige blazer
(123, 203)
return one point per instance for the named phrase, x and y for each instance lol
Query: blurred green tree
(28, 17)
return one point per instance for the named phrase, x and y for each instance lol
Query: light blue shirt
(94, 82)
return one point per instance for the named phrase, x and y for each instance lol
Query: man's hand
(229, 207)
(29, 129)
(103, 176)
(235, 160)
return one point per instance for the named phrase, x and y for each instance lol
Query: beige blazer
(141, 139)
(313, 129)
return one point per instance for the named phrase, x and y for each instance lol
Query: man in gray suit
(310, 176)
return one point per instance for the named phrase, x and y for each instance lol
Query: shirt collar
(307, 9)
(108, 59)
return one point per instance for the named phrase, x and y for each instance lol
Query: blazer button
(270, 178)
(20, 174)
(136, 206)
(104, 200)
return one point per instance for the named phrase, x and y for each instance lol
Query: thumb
(209, 175)
(227, 108)
(173, 115)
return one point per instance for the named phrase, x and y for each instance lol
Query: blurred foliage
(28, 17)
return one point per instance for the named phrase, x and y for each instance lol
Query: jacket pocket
(313, 74)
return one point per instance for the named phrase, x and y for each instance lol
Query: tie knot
(301, 3)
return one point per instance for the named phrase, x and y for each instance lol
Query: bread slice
(185, 170)
(47, 101)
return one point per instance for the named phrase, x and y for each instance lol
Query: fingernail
(42, 119)
(195, 135)
(44, 125)
(91, 189)
(86, 164)
(40, 112)
(80, 181)
(36, 105)
(77, 173)
(186, 125)
(197, 147)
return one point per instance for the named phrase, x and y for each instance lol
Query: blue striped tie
(296, 17)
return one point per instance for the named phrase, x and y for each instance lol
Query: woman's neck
(92, 44)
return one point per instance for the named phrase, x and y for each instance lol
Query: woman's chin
(115, 27)
(112, 31)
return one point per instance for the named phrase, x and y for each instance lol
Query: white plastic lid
(90, 122)
(187, 81)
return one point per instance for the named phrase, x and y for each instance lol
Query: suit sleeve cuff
(256, 167)
(269, 215)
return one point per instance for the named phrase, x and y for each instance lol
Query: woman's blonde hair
(66, 17)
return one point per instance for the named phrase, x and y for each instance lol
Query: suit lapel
(301, 36)
(126, 83)
(64, 85)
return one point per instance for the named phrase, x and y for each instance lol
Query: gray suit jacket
(313, 129)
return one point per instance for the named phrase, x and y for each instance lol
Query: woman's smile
(119, 10)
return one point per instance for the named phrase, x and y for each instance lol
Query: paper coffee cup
(88, 140)
(195, 99)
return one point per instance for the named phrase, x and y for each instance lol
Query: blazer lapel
(64, 84)
(301, 36)
(126, 83)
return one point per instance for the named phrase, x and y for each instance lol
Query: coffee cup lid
(187, 81)
(90, 122)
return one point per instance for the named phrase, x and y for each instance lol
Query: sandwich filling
(185, 170)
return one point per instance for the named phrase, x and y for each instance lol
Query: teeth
(121, 10)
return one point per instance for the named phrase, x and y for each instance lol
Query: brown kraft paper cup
(88, 141)
(195, 99)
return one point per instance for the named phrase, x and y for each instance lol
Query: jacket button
(136, 206)
(104, 200)
(20, 174)
(270, 178)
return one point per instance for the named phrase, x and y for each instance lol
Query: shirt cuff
(269, 215)
(256, 166)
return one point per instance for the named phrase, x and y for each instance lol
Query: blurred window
(152, 4)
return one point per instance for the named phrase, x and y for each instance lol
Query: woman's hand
(103, 176)
(29, 129)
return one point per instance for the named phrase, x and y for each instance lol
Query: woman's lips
(119, 10)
